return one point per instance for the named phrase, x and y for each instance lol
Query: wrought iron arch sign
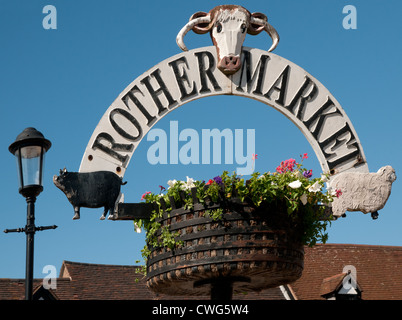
(191, 75)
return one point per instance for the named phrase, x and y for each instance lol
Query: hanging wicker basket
(254, 248)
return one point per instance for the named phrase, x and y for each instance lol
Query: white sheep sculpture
(365, 192)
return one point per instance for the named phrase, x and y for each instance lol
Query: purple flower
(308, 174)
(218, 180)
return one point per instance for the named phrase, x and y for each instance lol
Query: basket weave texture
(257, 247)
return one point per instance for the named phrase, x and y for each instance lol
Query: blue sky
(62, 81)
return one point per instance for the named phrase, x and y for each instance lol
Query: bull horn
(187, 28)
(269, 29)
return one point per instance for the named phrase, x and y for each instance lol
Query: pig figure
(90, 190)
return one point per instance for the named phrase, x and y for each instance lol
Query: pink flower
(305, 156)
(279, 169)
(254, 157)
(209, 182)
(143, 196)
(290, 164)
(338, 193)
(287, 165)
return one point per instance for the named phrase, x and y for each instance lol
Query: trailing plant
(291, 186)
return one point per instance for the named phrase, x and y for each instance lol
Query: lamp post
(29, 149)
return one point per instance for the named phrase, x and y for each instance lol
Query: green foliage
(214, 214)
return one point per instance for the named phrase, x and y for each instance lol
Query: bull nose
(229, 64)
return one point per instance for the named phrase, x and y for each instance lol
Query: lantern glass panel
(29, 164)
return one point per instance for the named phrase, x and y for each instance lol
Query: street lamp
(29, 149)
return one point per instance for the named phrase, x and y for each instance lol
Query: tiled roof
(87, 281)
(106, 282)
(378, 270)
(99, 281)
(330, 284)
(14, 289)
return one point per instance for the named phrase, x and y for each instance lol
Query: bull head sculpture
(228, 25)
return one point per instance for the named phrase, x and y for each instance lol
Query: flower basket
(234, 234)
(253, 247)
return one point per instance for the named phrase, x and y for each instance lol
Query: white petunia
(295, 184)
(189, 184)
(315, 187)
(137, 228)
(171, 183)
(303, 199)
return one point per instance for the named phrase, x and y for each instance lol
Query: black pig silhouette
(90, 189)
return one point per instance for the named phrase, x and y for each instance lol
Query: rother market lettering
(264, 76)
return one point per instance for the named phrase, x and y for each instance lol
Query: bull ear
(255, 27)
(201, 28)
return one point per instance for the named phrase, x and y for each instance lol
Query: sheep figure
(365, 192)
